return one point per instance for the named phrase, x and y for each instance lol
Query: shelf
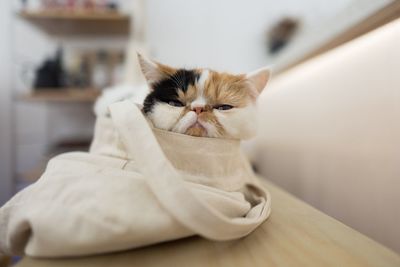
(60, 22)
(62, 95)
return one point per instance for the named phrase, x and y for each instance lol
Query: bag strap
(170, 189)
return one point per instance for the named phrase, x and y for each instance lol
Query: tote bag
(136, 186)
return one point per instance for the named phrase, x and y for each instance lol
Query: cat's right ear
(258, 80)
(153, 71)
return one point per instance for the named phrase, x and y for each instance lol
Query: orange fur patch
(196, 131)
(224, 88)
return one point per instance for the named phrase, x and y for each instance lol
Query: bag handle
(170, 189)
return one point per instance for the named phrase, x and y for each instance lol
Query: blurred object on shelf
(50, 73)
(118, 68)
(100, 74)
(80, 69)
(72, 5)
(93, 68)
(112, 5)
(281, 34)
(82, 78)
(31, 4)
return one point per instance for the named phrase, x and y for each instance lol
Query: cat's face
(202, 102)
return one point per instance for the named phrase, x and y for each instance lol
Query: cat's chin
(197, 130)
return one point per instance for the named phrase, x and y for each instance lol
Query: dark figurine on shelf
(281, 34)
(50, 74)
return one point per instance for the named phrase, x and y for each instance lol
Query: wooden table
(296, 234)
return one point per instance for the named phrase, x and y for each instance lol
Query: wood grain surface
(296, 234)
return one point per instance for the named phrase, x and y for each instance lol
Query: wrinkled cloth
(137, 186)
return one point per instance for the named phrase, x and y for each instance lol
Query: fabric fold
(137, 186)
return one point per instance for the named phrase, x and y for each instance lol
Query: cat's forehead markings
(200, 100)
(202, 81)
(182, 79)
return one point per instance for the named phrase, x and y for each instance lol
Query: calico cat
(202, 102)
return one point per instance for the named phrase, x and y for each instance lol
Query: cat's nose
(198, 110)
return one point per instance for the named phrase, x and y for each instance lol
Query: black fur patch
(166, 89)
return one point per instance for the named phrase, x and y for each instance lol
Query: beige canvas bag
(137, 186)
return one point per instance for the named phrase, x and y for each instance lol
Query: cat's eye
(175, 103)
(223, 107)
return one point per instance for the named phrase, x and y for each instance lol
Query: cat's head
(202, 102)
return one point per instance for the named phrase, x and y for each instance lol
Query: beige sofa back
(330, 133)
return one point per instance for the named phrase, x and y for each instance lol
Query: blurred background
(58, 55)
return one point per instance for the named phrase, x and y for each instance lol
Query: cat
(202, 102)
(198, 102)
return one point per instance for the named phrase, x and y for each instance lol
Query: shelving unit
(62, 95)
(64, 22)
(74, 24)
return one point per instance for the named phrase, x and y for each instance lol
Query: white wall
(6, 140)
(230, 34)
(325, 26)
(330, 132)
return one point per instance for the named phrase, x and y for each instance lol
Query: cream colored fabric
(136, 187)
(330, 133)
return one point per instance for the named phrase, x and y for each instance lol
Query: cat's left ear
(258, 80)
(153, 71)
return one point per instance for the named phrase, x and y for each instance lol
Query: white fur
(118, 93)
(164, 116)
(202, 81)
(238, 122)
(185, 122)
(258, 80)
(200, 101)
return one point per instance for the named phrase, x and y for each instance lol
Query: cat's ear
(258, 80)
(154, 71)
